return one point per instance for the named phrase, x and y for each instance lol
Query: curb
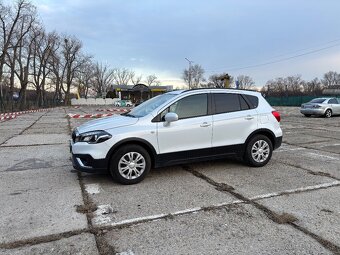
(88, 116)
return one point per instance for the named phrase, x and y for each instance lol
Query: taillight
(277, 115)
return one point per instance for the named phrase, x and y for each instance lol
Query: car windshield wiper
(129, 115)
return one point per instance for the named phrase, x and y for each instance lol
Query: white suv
(179, 127)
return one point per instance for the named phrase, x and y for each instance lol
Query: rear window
(253, 101)
(318, 100)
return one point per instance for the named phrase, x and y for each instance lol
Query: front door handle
(205, 124)
(249, 117)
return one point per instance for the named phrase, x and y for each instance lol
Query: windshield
(150, 105)
(318, 100)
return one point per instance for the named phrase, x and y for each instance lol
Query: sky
(264, 39)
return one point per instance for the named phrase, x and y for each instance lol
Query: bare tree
(14, 27)
(122, 76)
(152, 80)
(194, 76)
(44, 46)
(136, 79)
(245, 82)
(331, 78)
(73, 59)
(313, 87)
(103, 77)
(85, 78)
(218, 80)
(294, 85)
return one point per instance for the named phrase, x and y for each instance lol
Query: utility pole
(190, 69)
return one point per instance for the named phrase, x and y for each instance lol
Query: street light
(190, 62)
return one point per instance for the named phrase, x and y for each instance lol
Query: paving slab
(36, 139)
(314, 160)
(165, 190)
(302, 139)
(39, 203)
(34, 157)
(240, 229)
(253, 181)
(53, 120)
(318, 211)
(79, 244)
(47, 130)
(330, 146)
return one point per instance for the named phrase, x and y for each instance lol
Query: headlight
(317, 106)
(97, 136)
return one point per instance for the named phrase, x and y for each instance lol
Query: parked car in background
(123, 103)
(179, 127)
(322, 107)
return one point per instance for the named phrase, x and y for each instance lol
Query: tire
(328, 113)
(255, 143)
(130, 164)
(308, 115)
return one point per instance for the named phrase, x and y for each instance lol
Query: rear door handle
(249, 117)
(205, 124)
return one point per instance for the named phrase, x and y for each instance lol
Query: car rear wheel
(258, 151)
(130, 164)
(308, 115)
(328, 113)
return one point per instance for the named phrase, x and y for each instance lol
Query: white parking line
(329, 145)
(107, 221)
(290, 191)
(317, 155)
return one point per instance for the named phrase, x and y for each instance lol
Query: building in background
(139, 92)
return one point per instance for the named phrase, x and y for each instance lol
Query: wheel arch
(136, 141)
(265, 132)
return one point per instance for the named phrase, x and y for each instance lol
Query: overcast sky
(155, 36)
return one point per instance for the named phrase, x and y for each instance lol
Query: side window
(243, 103)
(226, 103)
(188, 107)
(253, 100)
(333, 101)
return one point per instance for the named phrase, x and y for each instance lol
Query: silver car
(322, 107)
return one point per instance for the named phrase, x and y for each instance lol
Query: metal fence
(7, 106)
(292, 100)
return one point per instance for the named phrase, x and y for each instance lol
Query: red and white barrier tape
(112, 110)
(22, 112)
(88, 116)
(7, 117)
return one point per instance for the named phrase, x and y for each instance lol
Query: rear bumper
(278, 142)
(312, 111)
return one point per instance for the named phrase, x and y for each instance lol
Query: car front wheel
(308, 115)
(130, 164)
(258, 151)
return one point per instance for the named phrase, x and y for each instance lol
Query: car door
(234, 119)
(335, 105)
(193, 129)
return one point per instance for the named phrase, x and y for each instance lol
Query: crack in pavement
(284, 218)
(89, 207)
(301, 145)
(22, 131)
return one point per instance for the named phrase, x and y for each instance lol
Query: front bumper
(86, 163)
(312, 111)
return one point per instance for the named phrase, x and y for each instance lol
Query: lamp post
(190, 62)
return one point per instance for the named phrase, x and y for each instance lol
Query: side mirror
(171, 117)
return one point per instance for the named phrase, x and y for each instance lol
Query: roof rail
(187, 90)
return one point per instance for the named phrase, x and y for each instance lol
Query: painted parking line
(319, 155)
(106, 219)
